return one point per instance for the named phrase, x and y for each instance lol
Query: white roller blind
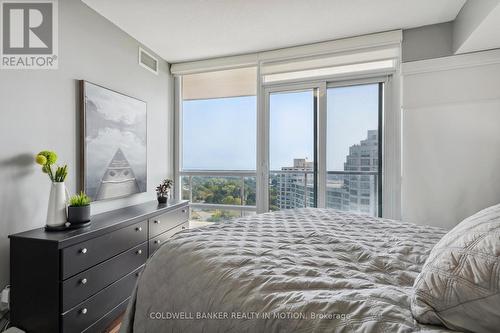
(220, 84)
(372, 60)
(331, 60)
(373, 67)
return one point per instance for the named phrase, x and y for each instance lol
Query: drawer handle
(139, 252)
(84, 311)
(157, 241)
(84, 250)
(83, 281)
(138, 229)
(156, 222)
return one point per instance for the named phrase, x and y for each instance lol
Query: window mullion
(177, 137)
(321, 146)
(262, 147)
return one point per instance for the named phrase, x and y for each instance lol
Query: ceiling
(183, 30)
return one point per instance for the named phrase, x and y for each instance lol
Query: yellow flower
(50, 156)
(40, 159)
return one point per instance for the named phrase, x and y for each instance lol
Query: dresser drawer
(90, 311)
(84, 255)
(102, 325)
(167, 221)
(155, 243)
(83, 285)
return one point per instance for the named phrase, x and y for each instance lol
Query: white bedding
(305, 270)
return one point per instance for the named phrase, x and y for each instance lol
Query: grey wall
(38, 110)
(432, 41)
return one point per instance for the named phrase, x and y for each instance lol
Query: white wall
(451, 137)
(476, 26)
(38, 110)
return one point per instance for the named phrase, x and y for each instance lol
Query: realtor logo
(29, 34)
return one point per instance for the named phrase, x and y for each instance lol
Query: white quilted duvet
(306, 270)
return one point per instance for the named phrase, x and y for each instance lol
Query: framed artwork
(113, 143)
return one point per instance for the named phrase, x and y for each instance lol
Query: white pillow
(459, 285)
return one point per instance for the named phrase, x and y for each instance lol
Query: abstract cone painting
(114, 143)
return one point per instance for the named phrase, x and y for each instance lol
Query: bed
(304, 270)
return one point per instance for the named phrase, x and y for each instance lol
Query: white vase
(57, 211)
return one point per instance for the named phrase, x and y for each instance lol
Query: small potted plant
(79, 209)
(163, 190)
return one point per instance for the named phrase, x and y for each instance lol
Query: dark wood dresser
(81, 280)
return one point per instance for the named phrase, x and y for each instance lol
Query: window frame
(390, 134)
(179, 171)
(321, 129)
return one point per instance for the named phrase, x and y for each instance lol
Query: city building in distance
(353, 189)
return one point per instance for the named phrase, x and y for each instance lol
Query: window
(211, 95)
(218, 143)
(351, 137)
(291, 149)
(219, 120)
(353, 122)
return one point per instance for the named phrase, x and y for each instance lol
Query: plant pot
(56, 212)
(80, 214)
(162, 200)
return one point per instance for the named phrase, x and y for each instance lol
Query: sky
(220, 134)
(291, 128)
(351, 112)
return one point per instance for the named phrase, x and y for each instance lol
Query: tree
(223, 191)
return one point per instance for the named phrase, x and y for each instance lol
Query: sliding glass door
(292, 152)
(323, 146)
(353, 151)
